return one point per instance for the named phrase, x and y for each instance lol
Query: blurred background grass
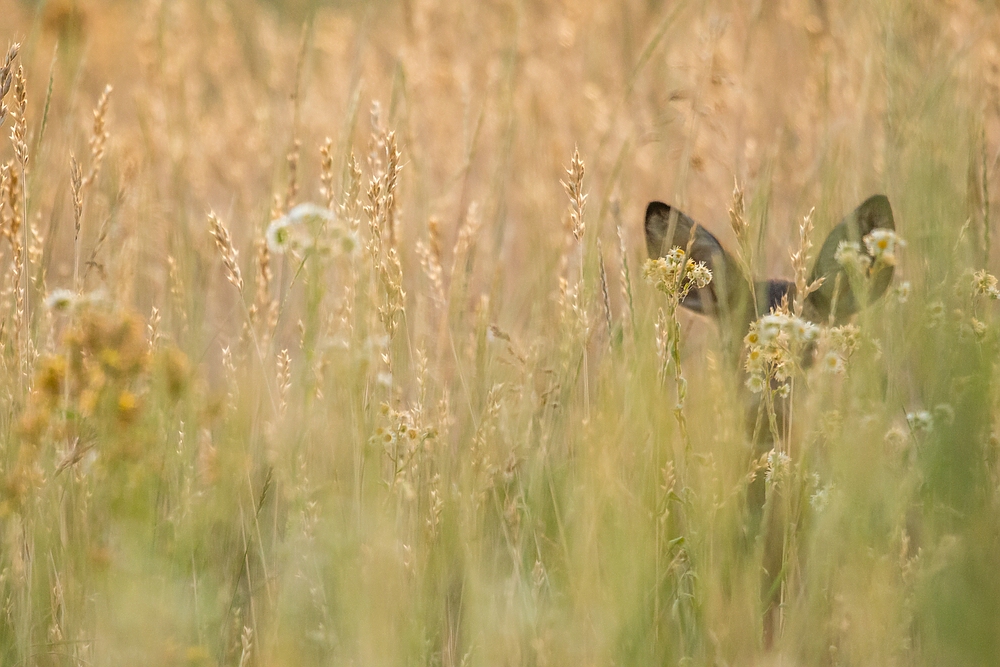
(198, 475)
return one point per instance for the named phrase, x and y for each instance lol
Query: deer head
(735, 302)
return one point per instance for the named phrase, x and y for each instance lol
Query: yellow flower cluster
(877, 249)
(773, 346)
(91, 388)
(676, 275)
(985, 284)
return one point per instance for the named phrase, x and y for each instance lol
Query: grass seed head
(224, 244)
(6, 77)
(577, 198)
(19, 116)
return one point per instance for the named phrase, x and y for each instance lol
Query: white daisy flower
(770, 327)
(699, 274)
(849, 256)
(804, 331)
(287, 235)
(833, 363)
(821, 498)
(61, 300)
(920, 420)
(903, 291)
(882, 244)
(755, 359)
(755, 383)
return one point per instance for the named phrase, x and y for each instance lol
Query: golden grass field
(443, 419)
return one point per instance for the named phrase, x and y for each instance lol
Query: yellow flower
(126, 401)
(127, 404)
(110, 358)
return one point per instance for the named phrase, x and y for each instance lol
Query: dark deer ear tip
(878, 211)
(656, 206)
(879, 202)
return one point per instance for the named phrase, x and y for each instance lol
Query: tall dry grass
(323, 336)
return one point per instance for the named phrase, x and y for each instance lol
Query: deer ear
(874, 213)
(726, 278)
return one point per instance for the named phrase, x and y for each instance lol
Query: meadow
(326, 338)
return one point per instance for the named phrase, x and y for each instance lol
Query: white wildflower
(919, 421)
(348, 242)
(755, 359)
(755, 383)
(675, 257)
(985, 284)
(297, 230)
(845, 339)
(776, 464)
(660, 274)
(821, 498)
(882, 244)
(279, 235)
(770, 327)
(850, 256)
(675, 275)
(61, 300)
(699, 274)
(833, 363)
(902, 291)
(804, 331)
